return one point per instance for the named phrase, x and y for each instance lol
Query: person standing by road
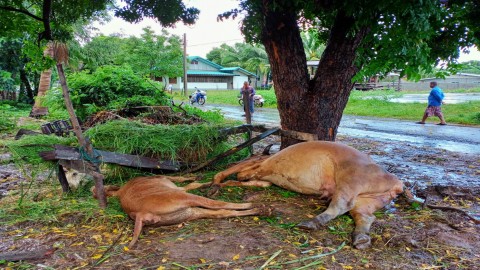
(434, 108)
(250, 92)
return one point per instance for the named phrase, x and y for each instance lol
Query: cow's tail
(411, 198)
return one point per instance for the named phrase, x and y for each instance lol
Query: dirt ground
(404, 236)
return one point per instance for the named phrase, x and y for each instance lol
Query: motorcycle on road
(258, 100)
(198, 96)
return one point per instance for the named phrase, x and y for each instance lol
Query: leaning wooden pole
(61, 56)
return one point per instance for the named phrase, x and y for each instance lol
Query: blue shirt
(436, 96)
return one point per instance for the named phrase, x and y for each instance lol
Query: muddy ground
(405, 236)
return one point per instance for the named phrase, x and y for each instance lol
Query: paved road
(451, 137)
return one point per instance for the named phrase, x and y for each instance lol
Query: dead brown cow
(156, 200)
(348, 177)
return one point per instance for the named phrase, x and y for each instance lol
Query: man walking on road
(435, 101)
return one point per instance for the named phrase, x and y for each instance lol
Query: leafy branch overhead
(405, 35)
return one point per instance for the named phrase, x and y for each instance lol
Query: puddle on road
(427, 174)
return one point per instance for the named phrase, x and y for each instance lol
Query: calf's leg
(193, 213)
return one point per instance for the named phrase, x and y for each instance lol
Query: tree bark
(45, 79)
(310, 106)
(26, 84)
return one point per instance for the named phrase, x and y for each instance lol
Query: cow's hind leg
(362, 214)
(180, 179)
(340, 204)
(242, 166)
(251, 164)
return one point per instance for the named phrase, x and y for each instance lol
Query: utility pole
(185, 64)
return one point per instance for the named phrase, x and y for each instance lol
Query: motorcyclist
(198, 94)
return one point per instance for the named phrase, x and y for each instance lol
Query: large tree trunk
(26, 84)
(311, 106)
(44, 85)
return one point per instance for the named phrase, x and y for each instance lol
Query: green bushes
(112, 87)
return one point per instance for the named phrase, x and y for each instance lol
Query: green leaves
(91, 92)
(166, 12)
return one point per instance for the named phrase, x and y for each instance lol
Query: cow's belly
(316, 177)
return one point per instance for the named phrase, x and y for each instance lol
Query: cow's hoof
(361, 241)
(214, 190)
(265, 210)
(309, 225)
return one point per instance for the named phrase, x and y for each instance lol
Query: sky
(207, 33)
(202, 37)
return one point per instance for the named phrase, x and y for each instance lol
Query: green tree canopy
(154, 55)
(149, 55)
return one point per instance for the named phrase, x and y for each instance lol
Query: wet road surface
(455, 138)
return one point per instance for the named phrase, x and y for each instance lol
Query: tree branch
(47, 10)
(8, 8)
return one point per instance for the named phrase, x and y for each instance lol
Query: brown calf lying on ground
(349, 178)
(156, 200)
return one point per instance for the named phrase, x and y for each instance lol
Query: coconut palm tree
(256, 59)
(246, 56)
(311, 44)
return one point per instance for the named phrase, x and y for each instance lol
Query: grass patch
(10, 112)
(45, 203)
(462, 113)
(377, 104)
(230, 97)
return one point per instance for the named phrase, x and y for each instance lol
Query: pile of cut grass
(26, 149)
(185, 143)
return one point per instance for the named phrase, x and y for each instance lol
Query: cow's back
(314, 167)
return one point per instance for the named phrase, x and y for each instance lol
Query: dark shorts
(434, 111)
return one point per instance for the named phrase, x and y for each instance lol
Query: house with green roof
(207, 75)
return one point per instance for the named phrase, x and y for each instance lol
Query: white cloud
(473, 55)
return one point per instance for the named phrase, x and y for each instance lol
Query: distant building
(207, 75)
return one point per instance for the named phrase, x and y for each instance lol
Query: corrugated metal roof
(206, 61)
(231, 69)
(209, 73)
